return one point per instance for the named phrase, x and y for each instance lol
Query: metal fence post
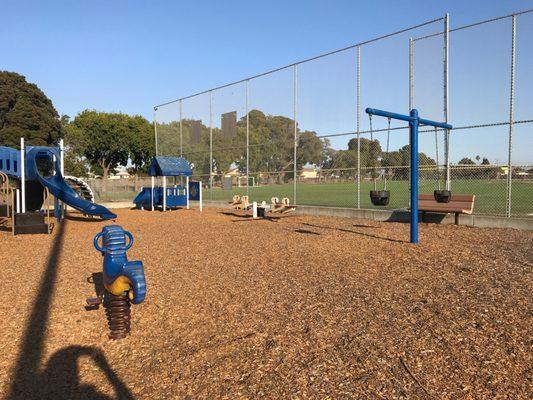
(411, 106)
(295, 129)
(511, 116)
(211, 145)
(155, 130)
(181, 130)
(358, 126)
(445, 98)
(247, 139)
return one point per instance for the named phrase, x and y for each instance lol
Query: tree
(466, 161)
(104, 139)
(75, 143)
(311, 149)
(141, 146)
(25, 111)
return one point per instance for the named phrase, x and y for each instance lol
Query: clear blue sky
(129, 55)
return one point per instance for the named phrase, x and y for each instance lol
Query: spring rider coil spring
(124, 280)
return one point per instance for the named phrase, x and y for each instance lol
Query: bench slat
(447, 210)
(459, 203)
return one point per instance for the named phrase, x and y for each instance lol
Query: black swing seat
(380, 197)
(442, 196)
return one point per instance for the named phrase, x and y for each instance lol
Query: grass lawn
(490, 195)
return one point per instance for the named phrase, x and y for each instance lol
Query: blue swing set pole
(413, 171)
(414, 122)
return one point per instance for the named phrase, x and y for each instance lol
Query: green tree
(104, 139)
(311, 149)
(25, 111)
(466, 161)
(75, 163)
(141, 142)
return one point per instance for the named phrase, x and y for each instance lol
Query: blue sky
(129, 55)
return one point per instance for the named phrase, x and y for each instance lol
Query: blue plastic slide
(57, 185)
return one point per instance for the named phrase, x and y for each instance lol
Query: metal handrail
(8, 194)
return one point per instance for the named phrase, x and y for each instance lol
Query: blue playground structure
(124, 280)
(414, 122)
(164, 197)
(36, 169)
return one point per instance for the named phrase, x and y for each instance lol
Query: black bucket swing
(380, 197)
(440, 195)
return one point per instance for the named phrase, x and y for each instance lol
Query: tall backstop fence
(300, 131)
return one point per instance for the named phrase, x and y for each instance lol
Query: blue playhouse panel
(194, 190)
(10, 161)
(176, 197)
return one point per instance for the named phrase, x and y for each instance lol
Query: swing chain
(371, 152)
(437, 157)
(371, 133)
(386, 152)
(388, 134)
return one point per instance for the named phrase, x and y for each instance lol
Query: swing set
(381, 197)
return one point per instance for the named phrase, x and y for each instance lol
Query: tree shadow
(357, 233)
(59, 379)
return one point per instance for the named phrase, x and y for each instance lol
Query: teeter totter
(240, 203)
(260, 209)
(281, 207)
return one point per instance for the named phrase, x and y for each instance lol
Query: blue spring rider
(124, 280)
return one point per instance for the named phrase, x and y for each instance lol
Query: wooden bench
(458, 204)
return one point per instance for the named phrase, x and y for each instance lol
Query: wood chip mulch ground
(298, 307)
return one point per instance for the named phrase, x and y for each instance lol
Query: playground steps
(30, 222)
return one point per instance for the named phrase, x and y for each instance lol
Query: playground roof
(169, 166)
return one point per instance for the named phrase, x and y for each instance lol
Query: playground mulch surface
(298, 307)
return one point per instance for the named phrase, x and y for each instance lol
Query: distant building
(309, 172)
(232, 171)
(517, 171)
(122, 173)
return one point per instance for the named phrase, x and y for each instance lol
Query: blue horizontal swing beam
(414, 121)
(407, 118)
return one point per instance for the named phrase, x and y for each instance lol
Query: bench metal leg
(456, 218)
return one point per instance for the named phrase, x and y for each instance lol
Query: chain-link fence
(300, 131)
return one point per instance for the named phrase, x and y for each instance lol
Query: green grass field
(490, 195)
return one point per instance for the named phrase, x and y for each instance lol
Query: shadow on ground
(405, 216)
(81, 218)
(356, 232)
(59, 379)
(247, 217)
(306, 232)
